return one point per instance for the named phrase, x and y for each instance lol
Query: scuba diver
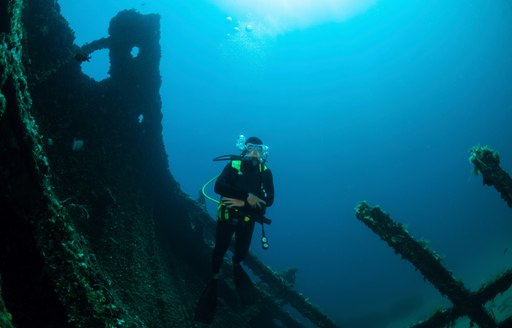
(246, 189)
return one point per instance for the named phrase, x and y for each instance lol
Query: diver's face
(254, 151)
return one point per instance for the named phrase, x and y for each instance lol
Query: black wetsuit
(256, 179)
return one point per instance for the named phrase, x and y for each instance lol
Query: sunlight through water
(280, 16)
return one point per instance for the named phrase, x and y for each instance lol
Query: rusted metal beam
(487, 162)
(426, 261)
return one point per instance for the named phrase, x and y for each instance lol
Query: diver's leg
(243, 237)
(223, 236)
(243, 284)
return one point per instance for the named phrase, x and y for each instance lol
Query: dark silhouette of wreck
(94, 230)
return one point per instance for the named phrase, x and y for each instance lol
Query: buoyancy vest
(223, 212)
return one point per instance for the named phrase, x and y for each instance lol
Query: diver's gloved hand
(255, 201)
(232, 202)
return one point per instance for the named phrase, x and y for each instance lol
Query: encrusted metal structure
(94, 230)
(465, 302)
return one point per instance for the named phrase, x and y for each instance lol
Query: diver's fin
(207, 304)
(244, 286)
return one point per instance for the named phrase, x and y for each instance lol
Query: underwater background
(377, 101)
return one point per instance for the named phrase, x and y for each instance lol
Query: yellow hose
(206, 185)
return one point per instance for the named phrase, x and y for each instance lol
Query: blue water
(380, 106)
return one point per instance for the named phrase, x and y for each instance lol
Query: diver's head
(253, 149)
(254, 141)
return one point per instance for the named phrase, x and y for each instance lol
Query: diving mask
(252, 148)
(260, 150)
(248, 148)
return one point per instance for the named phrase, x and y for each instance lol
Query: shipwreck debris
(466, 303)
(487, 162)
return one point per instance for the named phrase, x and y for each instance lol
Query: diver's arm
(232, 202)
(269, 187)
(255, 201)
